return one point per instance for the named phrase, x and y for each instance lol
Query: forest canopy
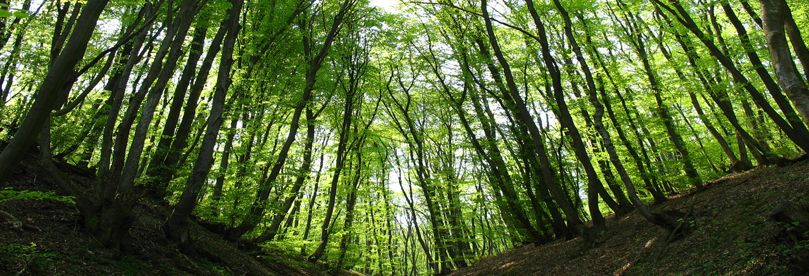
(396, 137)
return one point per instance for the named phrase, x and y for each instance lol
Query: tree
(404, 141)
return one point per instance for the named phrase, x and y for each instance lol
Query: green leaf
(21, 14)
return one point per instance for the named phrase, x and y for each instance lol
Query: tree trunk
(412, 217)
(129, 171)
(176, 227)
(302, 176)
(315, 60)
(781, 58)
(775, 14)
(536, 144)
(156, 162)
(646, 176)
(216, 195)
(165, 171)
(313, 195)
(594, 185)
(60, 75)
(493, 157)
(695, 103)
(722, 101)
(800, 138)
(117, 86)
(338, 168)
(351, 202)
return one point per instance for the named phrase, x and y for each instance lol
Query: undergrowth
(9, 194)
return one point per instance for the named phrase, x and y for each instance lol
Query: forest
(396, 137)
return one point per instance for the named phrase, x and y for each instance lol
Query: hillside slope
(40, 234)
(732, 234)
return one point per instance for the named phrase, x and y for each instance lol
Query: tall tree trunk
(722, 101)
(493, 157)
(536, 144)
(216, 195)
(314, 60)
(800, 138)
(302, 176)
(163, 173)
(623, 203)
(61, 74)
(117, 86)
(775, 15)
(171, 47)
(632, 29)
(167, 135)
(343, 140)
(313, 195)
(704, 119)
(657, 219)
(131, 166)
(594, 185)
(351, 202)
(176, 227)
(412, 217)
(647, 177)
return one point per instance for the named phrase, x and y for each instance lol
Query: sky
(386, 5)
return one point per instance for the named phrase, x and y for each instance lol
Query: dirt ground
(731, 235)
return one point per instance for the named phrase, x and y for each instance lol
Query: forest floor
(41, 234)
(731, 234)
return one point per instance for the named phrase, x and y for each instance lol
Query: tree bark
(775, 15)
(315, 60)
(176, 227)
(60, 74)
(594, 185)
(156, 162)
(117, 86)
(131, 166)
(303, 175)
(800, 138)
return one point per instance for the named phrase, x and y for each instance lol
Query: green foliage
(438, 136)
(8, 194)
(5, 12)
(27, 258)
